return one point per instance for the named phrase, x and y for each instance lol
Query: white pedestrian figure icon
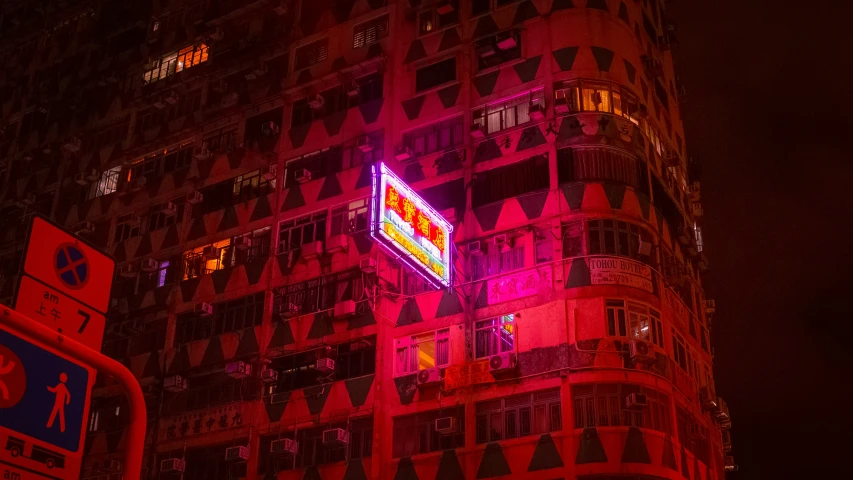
(4, 369)
(63, 398)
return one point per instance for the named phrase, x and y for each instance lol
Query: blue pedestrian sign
(44, 398)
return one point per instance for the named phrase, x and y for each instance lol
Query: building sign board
(518, 285)
(410, 229)
(65, 283)
(44, 402)
(620, 271)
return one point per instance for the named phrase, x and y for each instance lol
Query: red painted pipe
(136, 401)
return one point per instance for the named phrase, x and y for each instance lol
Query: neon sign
(405, 225)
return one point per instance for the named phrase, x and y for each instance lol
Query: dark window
(497, 49)
(164, 215)
(262, 131)
(572, 239)
(416, 433)
(369, 89)
(435, 74)
(128, 226)
(206, 462)
(352, 359)
(660, 92)
(295, 233)
(510, 181)
(321, 293)
(229, 316)
(446, 195)
(606, 405)
(319, 164)
(152, 338)
(479, 7)
(312, 451)
(695, 442)
(312, 53)
(370, 32)
(350, 217)
(595, 163)
(518, 416)
(221, 141)
(615, 237)
(498, 259)
(435, 137)
(617, 325)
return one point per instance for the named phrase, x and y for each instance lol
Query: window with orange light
(422, 351)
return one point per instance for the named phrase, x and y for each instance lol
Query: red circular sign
(13, 378)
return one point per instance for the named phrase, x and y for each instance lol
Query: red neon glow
(417, 219)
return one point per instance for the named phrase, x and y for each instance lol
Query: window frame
(493, 324)
(506, 107)
(509, 412)
(410, 344)
(375, 23)
(436, 79)
(300, 61)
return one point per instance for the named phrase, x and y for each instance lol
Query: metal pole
(136, 402)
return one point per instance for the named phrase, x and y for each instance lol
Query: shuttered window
(312, 53)
(370, 32)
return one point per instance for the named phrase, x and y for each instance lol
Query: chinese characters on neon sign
(409, 228)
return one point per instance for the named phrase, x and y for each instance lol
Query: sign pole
(136, 401)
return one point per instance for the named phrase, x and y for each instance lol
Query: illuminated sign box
(409, 229)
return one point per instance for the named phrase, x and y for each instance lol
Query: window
(422, 351)
(510, 181)
(166, 273)
(320, 164)
(416, 433)
(616, 324)
(605, 405)
(495, 335)
(597, 96)
(177, 157)
(255, 247)
(262, 130)
(644, 323)
(572, 239)
(293, 234)
(615, 237)
(519, 415)
(543, 246)
(107, 183)
(350, 217)
(128, 226)
(171, 63)
(436, 74)
(152, 338)
(203, 463)
(498, 259)
(597, 163)
(252, 185)
(497, 49)
(435, 137)
(508, 113)
(369, 89)
(312, 451)
(206, 259)
(298, 370)
(370, 32)
(679, 352)
(312, 53)
(414, 283)
(161, 216)
(221, 141)
(660, 93)
(697, 445)
(228, 316)
(321, 293)
(433, 19)
(107, 414)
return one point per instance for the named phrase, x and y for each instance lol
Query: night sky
(768, 116)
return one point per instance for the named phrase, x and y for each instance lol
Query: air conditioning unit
(137, 184)
(271, 173)
(312, 249)
(110, 465)
(316, 101)
(80, 179)
(502, 363)
(127, 271)
(84, 228)
(335, 436)
(367, 265)
(486, 50)
(694, 432)
(237, 454)
(403, 153)
(72, 145)
(337, 243)
(325, 365)
(173, 465)
(149, 265)
(710, 307)
(270, 128)
(562, 105)
(345, 308)
(477, 131)
(302, 175)
(169, 209)
(269, 375)
(202, 153)
(175, 383)
(203, 309)
(730, 465)
(641, 352)
(284, 446)
(475, 248)
(286, 311)
(364, 143)
(445, 8)
(217, 34)
(429, 376)
(722, 412)
(636, 401)
(243, 243)
(238, 369)
(171, 98)
(195, 197)
(210, 252)
(702, 263)
(644, 247)
(501, 242)
(506, 40)
(536, 111)
(446, 425)
(707, 398)
(352, 90)
(131, 219)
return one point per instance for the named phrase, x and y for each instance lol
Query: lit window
(509, 112)
(107, 183)
(171, 63)
(207, 259)
(495, 335)
(422, 351)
